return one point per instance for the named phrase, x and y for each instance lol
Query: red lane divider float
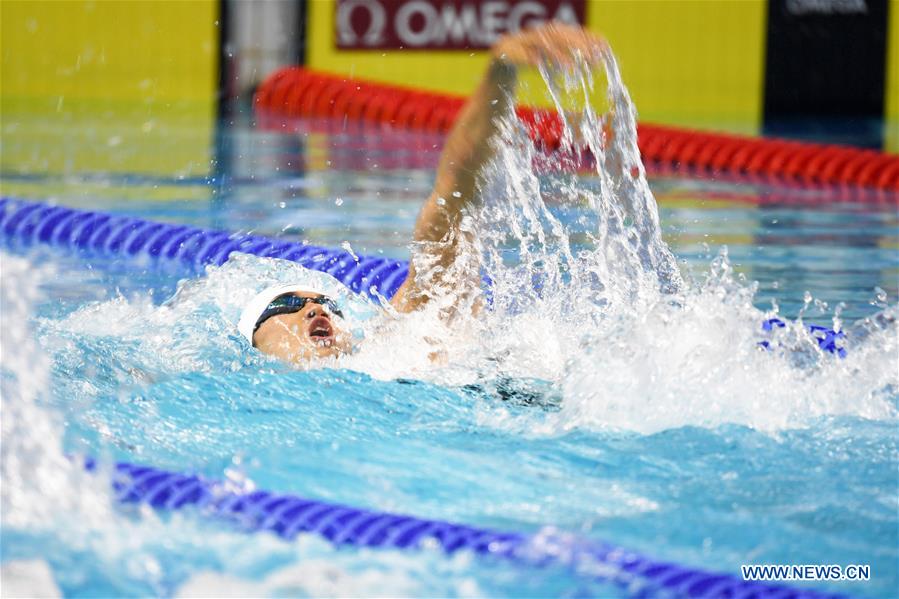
(849, 173)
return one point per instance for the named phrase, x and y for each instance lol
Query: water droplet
(338, 202)
(349, 249)
(457, 194)
(441, 201)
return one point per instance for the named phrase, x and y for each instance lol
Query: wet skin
(311, 332)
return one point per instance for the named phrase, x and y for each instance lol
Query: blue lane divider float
(23, 224)
(287, 516)
(191, 248)
(828, 340)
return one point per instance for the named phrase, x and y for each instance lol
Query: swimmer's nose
(317, 312)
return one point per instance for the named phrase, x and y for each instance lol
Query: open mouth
(321, 331)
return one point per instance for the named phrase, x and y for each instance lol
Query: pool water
(659, 425)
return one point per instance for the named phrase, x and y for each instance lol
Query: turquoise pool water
(663, 428)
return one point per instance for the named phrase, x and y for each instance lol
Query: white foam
(36, 476)
(319, 571)
(27, 578)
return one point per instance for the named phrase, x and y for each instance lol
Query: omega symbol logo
(377, 19)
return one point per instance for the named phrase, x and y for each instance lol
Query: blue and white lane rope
(287, 516)
(191, 248)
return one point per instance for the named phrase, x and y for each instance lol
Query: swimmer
(298, 323)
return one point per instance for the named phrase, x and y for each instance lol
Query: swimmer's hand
(555, 44)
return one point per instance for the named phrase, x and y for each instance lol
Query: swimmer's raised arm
(469, 149)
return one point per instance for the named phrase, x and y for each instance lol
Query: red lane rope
(298, 92)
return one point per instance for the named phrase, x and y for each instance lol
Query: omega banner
(442, 24)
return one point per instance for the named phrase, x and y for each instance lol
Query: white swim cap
(256, 306)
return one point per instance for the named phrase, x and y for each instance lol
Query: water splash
(609, 252)
(48, 500)
(585, 296)
(33, 462)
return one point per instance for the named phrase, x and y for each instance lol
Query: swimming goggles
(289, 303)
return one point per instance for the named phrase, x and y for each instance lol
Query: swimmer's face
(311, 332)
